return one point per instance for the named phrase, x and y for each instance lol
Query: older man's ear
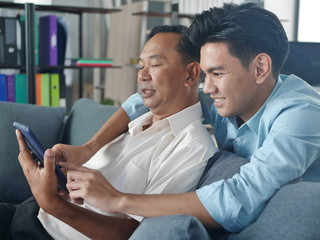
(193, 77)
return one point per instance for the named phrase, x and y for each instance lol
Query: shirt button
(238, 139)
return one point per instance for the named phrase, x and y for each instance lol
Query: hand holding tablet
(38, 150)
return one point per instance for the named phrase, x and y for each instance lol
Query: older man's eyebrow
(155, 56)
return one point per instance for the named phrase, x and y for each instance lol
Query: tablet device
(38, 150)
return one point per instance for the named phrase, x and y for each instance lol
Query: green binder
(21, 88)
(55, 90)
(45, 87)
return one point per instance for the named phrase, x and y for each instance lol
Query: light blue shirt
(281, 140)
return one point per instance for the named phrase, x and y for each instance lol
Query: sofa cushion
(222, 165)
(45, 122)
(291, 214)
(177, 227)
(85, 119)
(313, 172)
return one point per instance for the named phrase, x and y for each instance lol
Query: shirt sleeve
(134, 106)
(206, 105)
(179, 170)
(290, 146)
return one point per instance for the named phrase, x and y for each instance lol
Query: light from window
(40, 2)
(309, 18)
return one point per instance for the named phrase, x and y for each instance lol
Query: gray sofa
(293, 212)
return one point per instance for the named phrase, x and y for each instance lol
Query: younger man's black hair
(247, 29)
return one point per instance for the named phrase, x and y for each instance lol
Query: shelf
(31, 69)
(72, 67)
(56, 67)
(159, 14)
(135, 66)
(59, 8)
(76, 10)
(12, 67)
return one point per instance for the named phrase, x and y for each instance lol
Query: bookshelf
(161, 14)
(30, 67)
(168, 11)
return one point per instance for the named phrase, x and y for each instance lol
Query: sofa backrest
(85, 119)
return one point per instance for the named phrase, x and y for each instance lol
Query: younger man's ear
(193, 74)
(263, 67)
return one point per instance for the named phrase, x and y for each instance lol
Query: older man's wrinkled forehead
(162, 45)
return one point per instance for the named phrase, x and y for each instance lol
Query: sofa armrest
(45, 122)
(292, 214)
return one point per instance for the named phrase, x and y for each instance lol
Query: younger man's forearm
(116, 125)
(153, 205)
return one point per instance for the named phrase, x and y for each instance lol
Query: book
(36, 38)
(21, 88)
(45, 89)
(48, 49)
(54, 90)
(38, 89)
(2, 31)
(22, 21)
(8, 41)
(63, 90)
(89, 60)
(22, 50)
(62, 42)
(3, 88)
(92, 62)
(11, 88)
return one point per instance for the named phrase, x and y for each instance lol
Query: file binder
(48, 49)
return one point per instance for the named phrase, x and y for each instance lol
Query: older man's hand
(42, 180)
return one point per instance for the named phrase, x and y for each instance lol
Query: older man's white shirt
(167, 157)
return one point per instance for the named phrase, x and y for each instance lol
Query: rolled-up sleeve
(134, 106)
(288, 146)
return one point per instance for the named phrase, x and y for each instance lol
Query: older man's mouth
(147, 92)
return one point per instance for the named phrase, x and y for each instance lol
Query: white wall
(286, 12)
(309, 19)
(123, 44)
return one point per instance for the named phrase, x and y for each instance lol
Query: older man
(164, 151)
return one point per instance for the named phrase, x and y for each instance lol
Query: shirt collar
(180, 120)
(136, 125)
(254, 122)
(177, 121)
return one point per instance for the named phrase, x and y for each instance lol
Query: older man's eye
(217, 74)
